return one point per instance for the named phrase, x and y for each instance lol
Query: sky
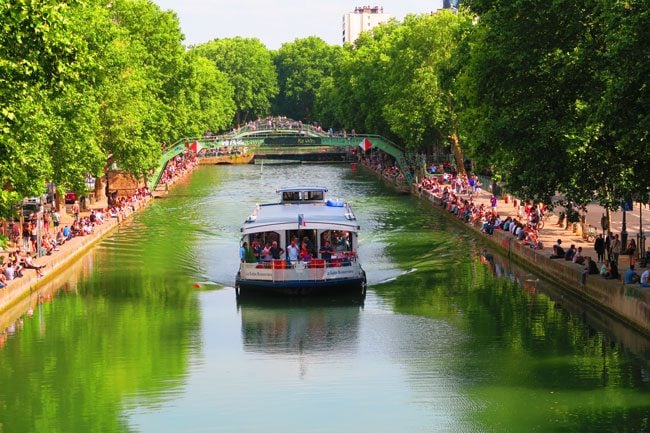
(277, 21)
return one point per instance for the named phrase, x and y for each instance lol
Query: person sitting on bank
(612, 272)
(28, 263)
(558, 251)
(591, 268)
(631, 277)
(570, 253)
(644, 278)
(326, 252)
(578, 258)
(3, 279)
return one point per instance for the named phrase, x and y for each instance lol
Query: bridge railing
(254, 139)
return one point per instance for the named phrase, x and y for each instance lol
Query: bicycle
(542, 220)
(590, 234)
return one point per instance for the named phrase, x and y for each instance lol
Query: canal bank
(20, 290)
(67, 254)
(629, 303)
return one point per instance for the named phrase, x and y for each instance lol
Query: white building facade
(363, 19)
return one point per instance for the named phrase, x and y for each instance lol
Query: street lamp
(641, 236)
(624, 206)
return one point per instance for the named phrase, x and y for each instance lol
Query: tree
(420, 97)
(41, 59)
(302, 66)
(248, 65)
(523, 86)
(204, 97)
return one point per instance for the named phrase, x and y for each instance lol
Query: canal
(145, 334)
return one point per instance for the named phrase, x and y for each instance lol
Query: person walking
(631, 251)
(75, 210)
(608, 245)
(599, 247)
(616, 249)
(603, 223)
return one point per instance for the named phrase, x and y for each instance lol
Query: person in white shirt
(644, 278)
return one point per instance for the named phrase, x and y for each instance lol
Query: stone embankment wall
(626, 302)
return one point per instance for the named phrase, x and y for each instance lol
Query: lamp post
(39, 219)
(624, 229)
(641, 248)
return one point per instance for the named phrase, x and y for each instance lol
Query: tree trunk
(100, 192)
(455, 143)
(458, 154)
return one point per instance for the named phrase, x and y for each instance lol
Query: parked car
(70, 197)
(32, 205)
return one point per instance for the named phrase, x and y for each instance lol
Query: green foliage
(394, 81)
(40, 59)
(204, 97)
(302, 66)
(248, 65)
(85, 83)
(555, 97)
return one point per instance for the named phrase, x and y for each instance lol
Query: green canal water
(443, 342)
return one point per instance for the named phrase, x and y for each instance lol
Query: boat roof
(321, 215)
(302, 188)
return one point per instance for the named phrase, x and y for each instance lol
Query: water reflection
(299, 325)
(594, 319)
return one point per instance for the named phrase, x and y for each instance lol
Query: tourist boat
(303, 215)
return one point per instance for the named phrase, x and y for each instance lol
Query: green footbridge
(276, 141)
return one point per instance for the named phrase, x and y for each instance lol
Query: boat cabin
(304, 215)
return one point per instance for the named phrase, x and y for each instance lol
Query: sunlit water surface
(146, 334)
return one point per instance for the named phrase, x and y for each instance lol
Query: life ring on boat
(335, 203)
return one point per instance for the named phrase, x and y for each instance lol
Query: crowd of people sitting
(52, 237)
(178, 167)
(224, 151)
(457, 192)
(382, 163)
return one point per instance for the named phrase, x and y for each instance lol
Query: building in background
(450, 4)
(363, 19)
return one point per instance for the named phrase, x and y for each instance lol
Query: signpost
(625, 206)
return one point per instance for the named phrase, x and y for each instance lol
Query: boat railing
(337, 261)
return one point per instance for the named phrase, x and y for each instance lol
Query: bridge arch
(259, 139)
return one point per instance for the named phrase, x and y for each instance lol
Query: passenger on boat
(246, 254)
(276, 251)
(266, 253)
(341, 241)
(326, 252)
(310, 246)
(304, 255)
(292, 251)
(257, 250)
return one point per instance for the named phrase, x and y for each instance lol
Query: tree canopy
(249, 67)
(556, 97)
(551, 97)
(85, 82)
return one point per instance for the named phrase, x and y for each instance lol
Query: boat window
(314, 195)
(291, 196)
(264, 238)
(307, 236)
(339, 240)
